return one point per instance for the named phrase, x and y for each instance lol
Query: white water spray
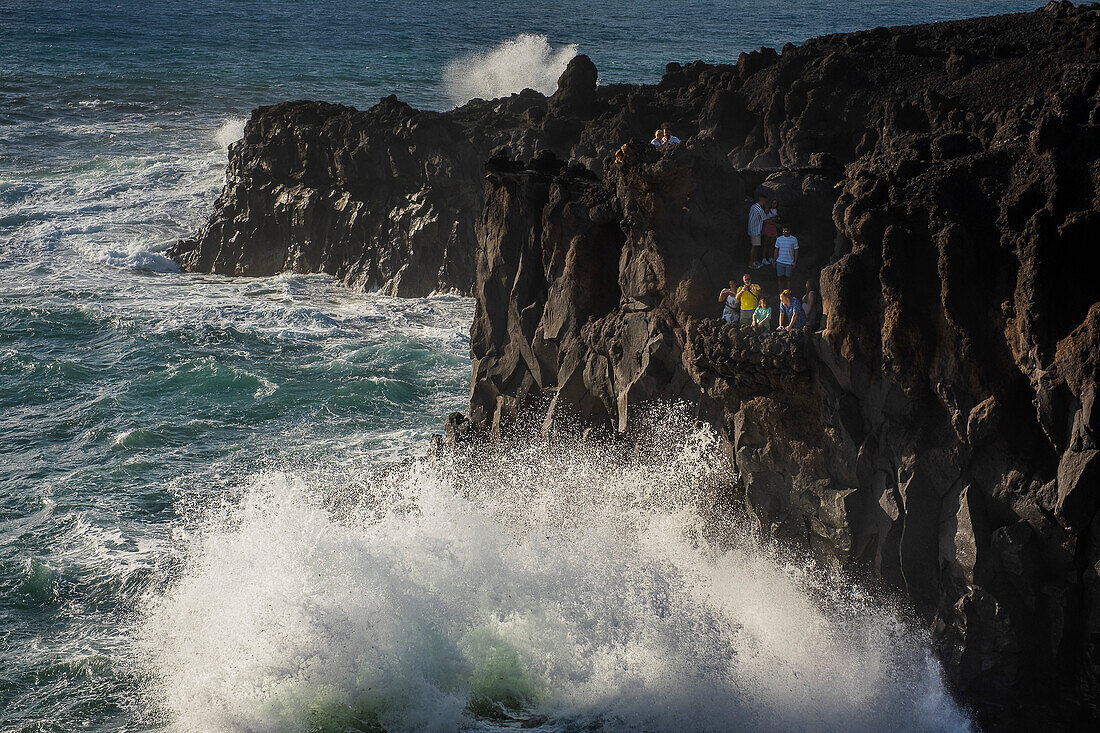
(571, 587)
(230, 132)
(524, 62)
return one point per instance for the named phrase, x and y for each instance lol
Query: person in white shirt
(658, 139)
(668, 137)
(730, 303)
(785, 256)
(757, 215)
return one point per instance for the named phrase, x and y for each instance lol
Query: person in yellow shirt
(749, 295)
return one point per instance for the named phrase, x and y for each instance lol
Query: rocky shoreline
(944, 180)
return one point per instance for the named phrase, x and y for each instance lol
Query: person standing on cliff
(769, 232)
(757, 217)
(749, 296)
(728, 298)
(785, 255)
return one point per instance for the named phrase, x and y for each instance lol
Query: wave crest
(527, 61)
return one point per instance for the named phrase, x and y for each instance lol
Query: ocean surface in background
(214, 514)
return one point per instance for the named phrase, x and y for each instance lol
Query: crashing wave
(525, 62)
(575, 584)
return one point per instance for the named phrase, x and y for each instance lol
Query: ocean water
(215, 510)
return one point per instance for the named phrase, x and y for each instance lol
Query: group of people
(663, 137)
(768, 233)
(774, 238)
(749, 306)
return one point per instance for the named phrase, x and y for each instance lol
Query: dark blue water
(183, 459)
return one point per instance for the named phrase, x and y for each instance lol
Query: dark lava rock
(576, 94)
(938, 436)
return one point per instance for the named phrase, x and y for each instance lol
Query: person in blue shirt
(791, 314)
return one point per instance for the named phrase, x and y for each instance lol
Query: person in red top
(769, 231)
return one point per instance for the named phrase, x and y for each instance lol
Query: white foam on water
(125, 208)
(569, 585)
(527, 61)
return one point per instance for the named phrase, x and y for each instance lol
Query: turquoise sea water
(211, 516)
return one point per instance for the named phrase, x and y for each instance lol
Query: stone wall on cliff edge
(940, 433)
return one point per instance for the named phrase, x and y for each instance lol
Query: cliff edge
(944, 181)
(939, 434)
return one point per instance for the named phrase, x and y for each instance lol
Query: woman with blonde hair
(791, 314)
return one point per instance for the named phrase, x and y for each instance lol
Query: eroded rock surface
(944, 182)
(940, 434)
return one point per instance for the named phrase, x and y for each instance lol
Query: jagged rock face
(940, 434)
(374, 199)
(944, 180)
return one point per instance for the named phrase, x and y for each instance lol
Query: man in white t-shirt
(785, 256)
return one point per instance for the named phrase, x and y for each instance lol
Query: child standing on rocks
(762, 316)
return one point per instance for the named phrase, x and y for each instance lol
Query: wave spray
(573, 585)
(524, 62)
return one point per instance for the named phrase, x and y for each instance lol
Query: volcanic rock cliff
(944, 181)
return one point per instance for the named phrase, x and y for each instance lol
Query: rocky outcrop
(388, 198)
(939, 435)
(944, 181)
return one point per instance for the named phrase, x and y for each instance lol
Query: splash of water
(525, 62)
(570, 586)
(230, 132)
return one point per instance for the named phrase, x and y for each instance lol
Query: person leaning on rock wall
(791, 315)
(811, 303)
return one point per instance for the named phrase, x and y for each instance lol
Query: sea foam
(525, 62)
(571, 586)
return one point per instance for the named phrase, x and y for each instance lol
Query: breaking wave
(230, 132)
(571, 585)
(525, 62)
